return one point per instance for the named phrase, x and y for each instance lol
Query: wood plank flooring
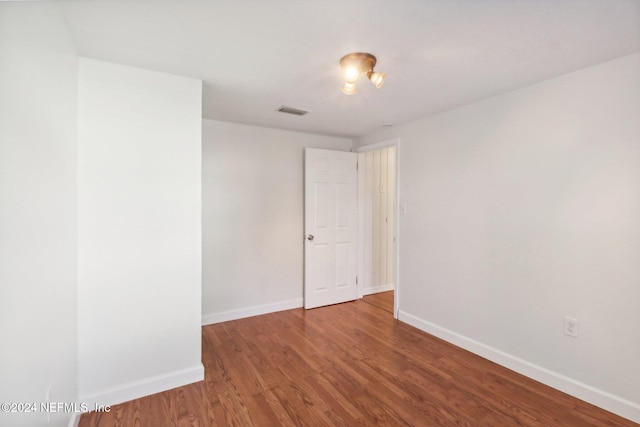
(347, 365)
(382, 300)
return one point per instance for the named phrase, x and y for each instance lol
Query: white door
(330, 220)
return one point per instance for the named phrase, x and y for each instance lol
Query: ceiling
(257, 55)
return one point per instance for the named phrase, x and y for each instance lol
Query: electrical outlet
(571, 326)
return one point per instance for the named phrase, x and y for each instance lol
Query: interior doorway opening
(377, 179)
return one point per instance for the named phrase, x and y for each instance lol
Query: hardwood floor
(382, 300)
(346, 365)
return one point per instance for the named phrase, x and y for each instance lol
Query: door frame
(394, 142)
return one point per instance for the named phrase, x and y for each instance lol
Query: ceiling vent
(294, 111)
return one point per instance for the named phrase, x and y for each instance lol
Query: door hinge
(357, 165)
(356, 280)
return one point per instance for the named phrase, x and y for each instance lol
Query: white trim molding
(256, 310)
(145, 387)
(377, 145)
(597, 397)
(75, 419)
(378, 289)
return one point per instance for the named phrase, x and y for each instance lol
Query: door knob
(310, 237)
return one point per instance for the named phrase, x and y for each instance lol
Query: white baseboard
(241, 313)
(377, 289)
(146, 387)
(75, 420)
(597, 397)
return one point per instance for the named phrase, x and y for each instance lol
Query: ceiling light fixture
(355, 63)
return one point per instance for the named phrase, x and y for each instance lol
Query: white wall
(253, 218)
(38, 92)
(139, 231)
(522, 209)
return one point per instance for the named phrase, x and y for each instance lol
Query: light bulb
(376, 78)
(349, 88)
(351, 74)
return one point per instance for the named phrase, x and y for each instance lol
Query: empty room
(330, 213)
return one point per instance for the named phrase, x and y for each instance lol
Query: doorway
(349, 257)
(377, 180)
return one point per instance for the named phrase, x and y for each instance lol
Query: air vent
(294, 111)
